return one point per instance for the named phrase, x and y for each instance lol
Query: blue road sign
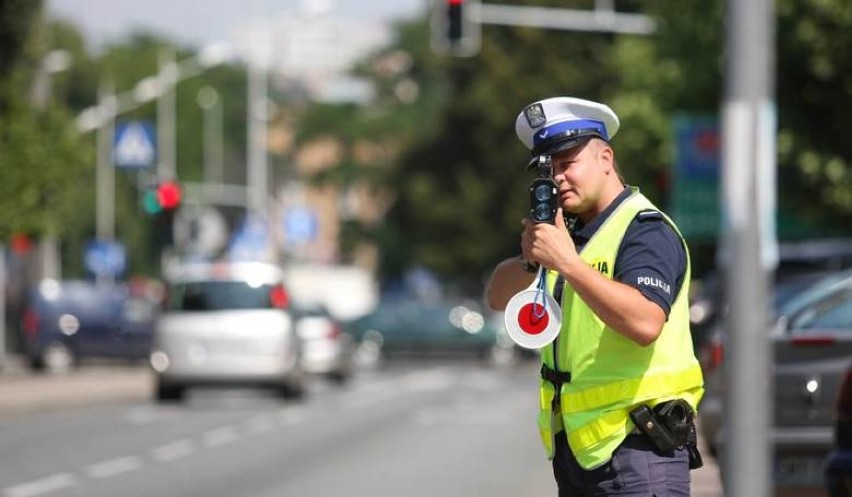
(697, 147)
(134, 145)
(251, 240)
(300, 225)
(105, 258)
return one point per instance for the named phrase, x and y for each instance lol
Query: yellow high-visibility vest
(611, 374)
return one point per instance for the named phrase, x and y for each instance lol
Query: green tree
(462, 191)
(40, 154)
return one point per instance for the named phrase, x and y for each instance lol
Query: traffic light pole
(457, 24)
(603, 18)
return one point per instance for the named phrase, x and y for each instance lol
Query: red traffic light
(455, 27)
(168, 195)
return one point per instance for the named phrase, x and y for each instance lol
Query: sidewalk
(22, 391)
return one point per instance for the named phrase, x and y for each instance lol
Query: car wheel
(169, 393)
(368, 354)
(57, 358)
(291, 391)
(339, 378)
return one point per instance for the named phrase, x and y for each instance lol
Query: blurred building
(314, 51)
(308, 57)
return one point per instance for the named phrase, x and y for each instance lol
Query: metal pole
(256, 177)
(208, 100)
(749, 241)
(53, 62)
(2, 308)
(602, 18)
(105, 196)
(168, 75)
(217, 159)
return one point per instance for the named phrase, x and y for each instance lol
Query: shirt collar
(585, 231)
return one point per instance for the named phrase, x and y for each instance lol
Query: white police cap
(559, 123)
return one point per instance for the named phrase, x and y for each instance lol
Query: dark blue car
(66, 322)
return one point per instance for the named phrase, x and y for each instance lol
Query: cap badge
(535, 115)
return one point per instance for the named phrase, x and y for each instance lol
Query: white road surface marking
(41, 486)
(174, 450)
(112, 467)
(220, 436)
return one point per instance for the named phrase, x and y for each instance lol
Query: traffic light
(169, 195)
(165, 196)
(161, 200)
(455, 28)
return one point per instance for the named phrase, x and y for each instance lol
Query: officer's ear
(606, 152)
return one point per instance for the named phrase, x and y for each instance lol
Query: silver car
(812, 340)
(327, 350)
(226, 324)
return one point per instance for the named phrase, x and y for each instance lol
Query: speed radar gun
(533, 317)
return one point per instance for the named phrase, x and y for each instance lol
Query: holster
(670, 425)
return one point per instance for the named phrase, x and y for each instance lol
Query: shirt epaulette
(648, 216)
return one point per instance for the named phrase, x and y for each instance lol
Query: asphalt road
(449, 429)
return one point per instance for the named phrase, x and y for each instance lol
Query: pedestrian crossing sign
(134, 145)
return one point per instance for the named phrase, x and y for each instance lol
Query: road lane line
(42, 486)
(113, 467)
(220, 436)
(174, 450)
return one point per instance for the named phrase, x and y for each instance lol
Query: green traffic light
(151, 203)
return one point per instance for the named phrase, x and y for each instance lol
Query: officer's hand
(526, 240)
(548, 244)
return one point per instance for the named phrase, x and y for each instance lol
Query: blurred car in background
(326, 349)
(838, 467)
(431, 328)
(798, 262)
(70, 321)
(812, 341)
(226, 324)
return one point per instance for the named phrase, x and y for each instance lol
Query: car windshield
(218, 296)
(808, 294)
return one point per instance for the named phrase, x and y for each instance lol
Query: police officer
(621, 274)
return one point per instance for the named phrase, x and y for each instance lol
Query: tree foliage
(40, 155)
(462, 186)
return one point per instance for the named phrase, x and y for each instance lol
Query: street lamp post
(168, 77)
(209, 102)
(105, 174)
(258, 115)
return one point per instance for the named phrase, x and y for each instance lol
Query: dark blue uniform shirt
(651, 257)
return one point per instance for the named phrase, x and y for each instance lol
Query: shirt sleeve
(652, 259)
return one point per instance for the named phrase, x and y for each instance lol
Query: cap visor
(559, 146)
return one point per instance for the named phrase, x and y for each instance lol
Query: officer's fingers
(560, 219)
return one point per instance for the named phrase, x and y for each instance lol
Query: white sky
(199, 22)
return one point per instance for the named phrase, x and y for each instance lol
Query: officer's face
(580, 175)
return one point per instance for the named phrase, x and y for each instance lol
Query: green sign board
(695, 187)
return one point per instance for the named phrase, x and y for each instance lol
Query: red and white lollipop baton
(533, 317)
